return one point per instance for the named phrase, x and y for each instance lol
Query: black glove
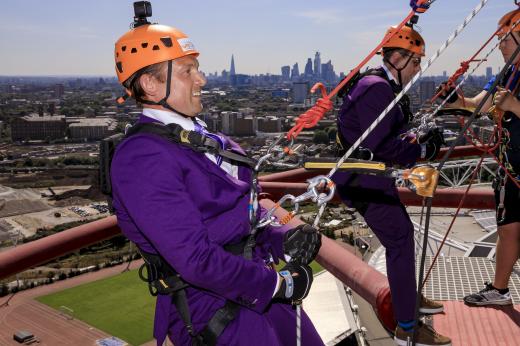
(302, 244)
(433, 140)
(296, 282)
(454, 97)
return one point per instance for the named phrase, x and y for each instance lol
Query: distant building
(91, 129)
(232, 71)
(489, 73)
(59, 90)
(286, 73)
(283, 93)
(308, 68)
(295, 73)
(300, 92)
(245, 126)
(38, 127)
(317, 65)
(269, 124)
(228, 122)
(327, 72)
(426, 90)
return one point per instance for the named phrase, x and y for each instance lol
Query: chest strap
(192, 139)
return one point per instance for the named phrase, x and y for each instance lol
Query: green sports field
(120, 305)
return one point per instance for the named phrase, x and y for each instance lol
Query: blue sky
(72, 37)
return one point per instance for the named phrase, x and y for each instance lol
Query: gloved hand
(432, 132)
(431, 142)
(419, 8)
(296, 281)
(302, 244)
(453, 98)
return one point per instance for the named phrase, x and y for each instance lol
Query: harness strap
(164, 280)
(219, 321)
(192, 139)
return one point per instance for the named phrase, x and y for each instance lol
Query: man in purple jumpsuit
(376, 198)
(186, 205)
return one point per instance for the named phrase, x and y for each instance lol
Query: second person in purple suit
(376, 198)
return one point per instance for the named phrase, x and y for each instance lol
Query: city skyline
(73, 39)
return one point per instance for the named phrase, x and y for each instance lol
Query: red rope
(311, 117)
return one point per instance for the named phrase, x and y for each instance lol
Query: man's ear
(150, 85)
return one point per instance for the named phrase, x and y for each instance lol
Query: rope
(409, 85)
(311, 117)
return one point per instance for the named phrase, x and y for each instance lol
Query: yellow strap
(346, 165)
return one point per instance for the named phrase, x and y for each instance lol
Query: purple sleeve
(157, 200)
(383, 141)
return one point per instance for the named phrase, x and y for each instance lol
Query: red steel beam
(43, 250)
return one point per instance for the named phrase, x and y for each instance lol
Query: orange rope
(312, 116)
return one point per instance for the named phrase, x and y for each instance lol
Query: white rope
(424, 68)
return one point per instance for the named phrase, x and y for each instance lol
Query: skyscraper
(426, 90)
(295, 73)
(308, 68)
(317, 65)
(286, 72)
(232, 69)
(327, 72)
(489, 73)
(300, 91)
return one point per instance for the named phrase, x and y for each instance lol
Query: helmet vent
(134, 50)
(144, 44)
(167, 41)
(418, 43)
(155, 47)
(123, 48)
(119, 66)
(400, 36)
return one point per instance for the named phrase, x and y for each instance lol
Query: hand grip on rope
(312, 116)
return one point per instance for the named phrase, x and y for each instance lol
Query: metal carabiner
(325, 182)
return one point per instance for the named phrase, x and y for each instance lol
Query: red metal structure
(352, 271)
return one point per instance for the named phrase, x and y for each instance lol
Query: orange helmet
(147, 45)
(507, 22)
(406, 38)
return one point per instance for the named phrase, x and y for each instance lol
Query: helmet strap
(163, 103)
(399, 78)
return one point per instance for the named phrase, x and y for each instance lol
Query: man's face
(411, 69)
(508, 46)
(186, 86)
